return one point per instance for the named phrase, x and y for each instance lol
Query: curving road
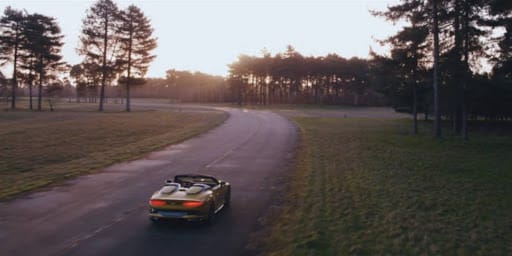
(106, 213)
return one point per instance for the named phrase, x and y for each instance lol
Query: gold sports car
(190, 197)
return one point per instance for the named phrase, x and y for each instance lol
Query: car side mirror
(222, 183)
(167, 182)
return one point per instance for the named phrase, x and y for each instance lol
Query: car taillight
(154, 202)
(192, 204)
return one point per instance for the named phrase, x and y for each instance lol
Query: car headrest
(170, 188)
(197, 188)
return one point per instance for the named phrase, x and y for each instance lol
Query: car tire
(211, 214)
(154, 219)
(227, 199)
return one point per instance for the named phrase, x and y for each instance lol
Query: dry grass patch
(38, 149)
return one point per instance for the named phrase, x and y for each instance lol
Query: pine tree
(11, 38)
(408, 46)
(435, 53)
(43, 46)
(135, 36)
(501, 16)
(99, 43)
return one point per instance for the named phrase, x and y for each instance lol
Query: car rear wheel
(211, 214)
(227, 199)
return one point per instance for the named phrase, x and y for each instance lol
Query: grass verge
(368, 187)
(38, 149)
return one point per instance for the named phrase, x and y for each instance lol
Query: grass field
(368, 187)
(41, 148)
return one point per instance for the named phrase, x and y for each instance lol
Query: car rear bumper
(166, 214)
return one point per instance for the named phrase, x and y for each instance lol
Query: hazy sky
(206, 35)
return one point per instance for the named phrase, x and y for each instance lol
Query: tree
(408, 47)
(237, 85)
(77, 73)
(44, 43)
(290, 77)
(465, 15)
(501, 16)
(87, 76)
(423, 15)
(28, 65)
(435, 54)
(3, 84)
(135, 36)
(456, 37)
(356, 77)
(11, 38)
(98, 42)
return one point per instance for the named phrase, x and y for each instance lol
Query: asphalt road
(106, 213)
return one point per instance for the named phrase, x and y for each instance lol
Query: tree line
(433, 66)
(185, 86)
(290, 77)
(32, 44)
(436, 57)
(116, 46)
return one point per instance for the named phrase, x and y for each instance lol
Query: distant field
(342, 111)
(368, 187)
(37, 149)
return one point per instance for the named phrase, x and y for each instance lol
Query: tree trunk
(271, 93)
(336, 95)
(315, 93)
(435, 31)
(129, 68)
(128, 108)
(464, 123)
(290, 90)
(30, 94)
(14, 72)
(457, 109)
(415, 107)
(40, 96)
(267, 93)
(104, 64)
(466, 71)
(240, 93)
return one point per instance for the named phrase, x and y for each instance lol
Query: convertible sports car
(190, 197)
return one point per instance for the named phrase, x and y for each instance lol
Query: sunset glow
(201, 35)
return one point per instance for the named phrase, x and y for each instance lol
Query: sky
(207, 35)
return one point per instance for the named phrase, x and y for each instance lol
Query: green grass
(38, 149)
(368, 187)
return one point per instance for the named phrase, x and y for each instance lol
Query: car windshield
(187, 181)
